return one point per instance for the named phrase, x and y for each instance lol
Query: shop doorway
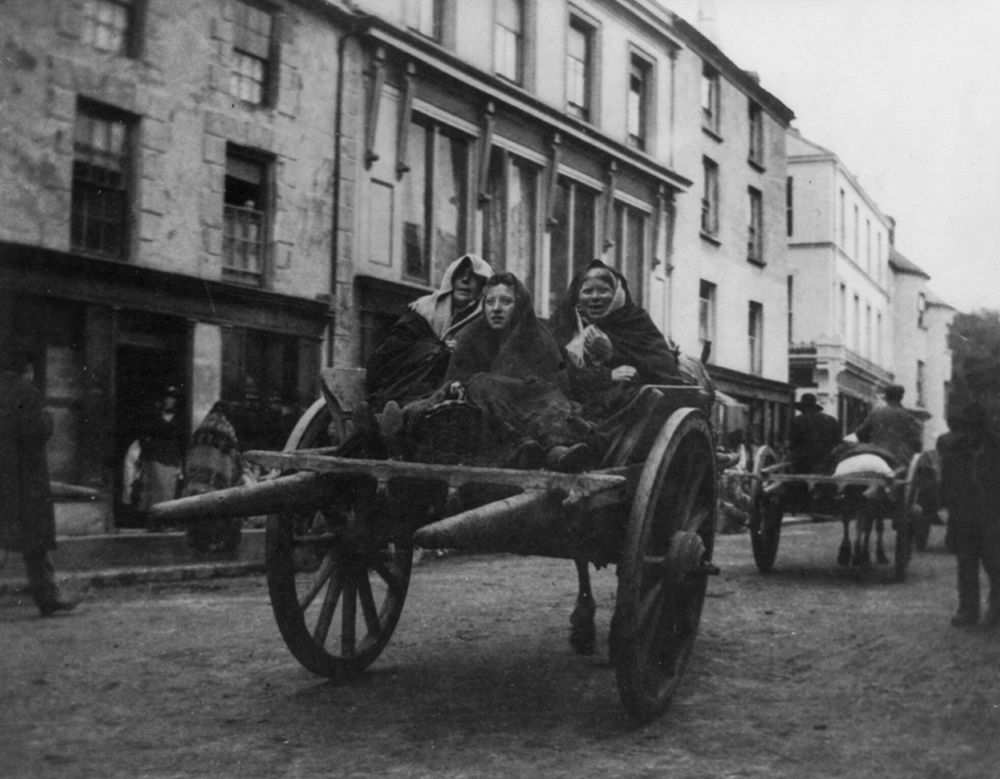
(150, 355)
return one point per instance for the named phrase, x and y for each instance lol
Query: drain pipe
(357, 24)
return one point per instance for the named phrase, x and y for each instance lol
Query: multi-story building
(225, 194)
(729, 240)
(544, 134)
(920, 325)
(166, 212)
(859, 312)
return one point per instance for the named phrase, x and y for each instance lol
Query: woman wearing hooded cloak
(612, 346)
(411, 361)
(507, 365)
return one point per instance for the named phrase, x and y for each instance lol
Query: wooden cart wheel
(662, 577)
(337, 577)
(903, 521)
(766, 513)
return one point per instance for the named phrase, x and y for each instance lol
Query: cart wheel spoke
(368, 608)
(349, 616)
(325, 618)
(320, 578)
(390, 577)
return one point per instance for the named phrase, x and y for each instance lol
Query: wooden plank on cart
(584, 484)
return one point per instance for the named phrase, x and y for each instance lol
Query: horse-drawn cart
(867, 499)
(341, 534)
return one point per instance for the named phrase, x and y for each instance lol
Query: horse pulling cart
(342, 530)
(868, 499)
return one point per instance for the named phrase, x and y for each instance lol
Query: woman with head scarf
(411, 361)
(511, 368)
(612, 346)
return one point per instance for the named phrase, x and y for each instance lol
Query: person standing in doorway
(27, 519)
(161, 452)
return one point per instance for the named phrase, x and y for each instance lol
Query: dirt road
(813, 671)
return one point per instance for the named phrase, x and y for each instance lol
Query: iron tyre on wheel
(766, 514)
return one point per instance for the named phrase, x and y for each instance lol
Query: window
(260, 380)
(244, 220)
(630, 248)
(756, 121)
(710, 198)
(755, 230)
(573, 236)
(637, 109)
(869, 347)
(878, 238)
(878, 337)
(710, 99)
(843, 220)
(106, 25)
(579, 66)
(508, 32)
(251, 75)
(857, 229)
(425, 17)
(706, 313)
(510, 217)
(789, 206)
(921, 309)
(842, 312)
(434, 195)
(100, 198)
(755, 333)
(790, 298)
(921, 382)
(856, 322)
(868, 245)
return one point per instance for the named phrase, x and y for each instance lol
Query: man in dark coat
(27, 520)
(970, 490)
(892, 427)
(812, 437)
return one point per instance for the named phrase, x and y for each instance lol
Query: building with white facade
(855, 323)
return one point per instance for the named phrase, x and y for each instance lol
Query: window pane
(509, 14)
(559, 246)
(449, 202)
(495, 214)
(584, 208)
(523, 216)
(413, 192)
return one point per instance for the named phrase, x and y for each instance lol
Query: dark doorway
(150, 356)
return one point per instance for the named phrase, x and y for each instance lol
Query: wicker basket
(449, 433)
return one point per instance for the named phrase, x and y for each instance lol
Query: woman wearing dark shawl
(612, 346)
(411, 362)
(507, 364)
(213, 462)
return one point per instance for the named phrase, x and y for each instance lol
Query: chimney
(708, 23)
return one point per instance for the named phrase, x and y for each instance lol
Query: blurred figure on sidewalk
(970, 490)
(27, 519)
(213, 462)
(153, 461)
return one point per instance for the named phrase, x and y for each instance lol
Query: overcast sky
(907, 94)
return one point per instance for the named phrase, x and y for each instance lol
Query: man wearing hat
(27, 519)
(970, 490)
(892, 427)
(812, 436)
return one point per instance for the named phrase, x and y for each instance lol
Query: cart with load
(868, 499)
(342, 530)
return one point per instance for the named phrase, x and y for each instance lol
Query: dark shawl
(636, 341)
(515, 378)
(411, 361)
(27, 519)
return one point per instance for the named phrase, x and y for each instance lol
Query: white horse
(868, 505)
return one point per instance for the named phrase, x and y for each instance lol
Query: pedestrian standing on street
(27, 519)
(213, 462)
(892, 427)
(970, 490)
